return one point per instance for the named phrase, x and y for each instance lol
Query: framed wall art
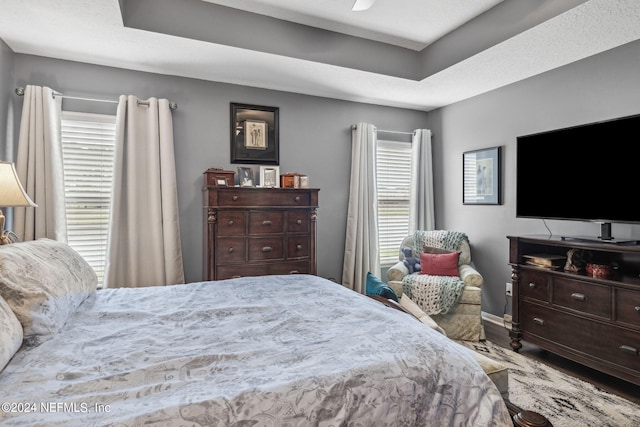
(482, 177)
(254, 134)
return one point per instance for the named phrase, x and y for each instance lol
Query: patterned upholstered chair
(462, 318)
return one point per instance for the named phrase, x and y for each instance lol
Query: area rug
(566, 401)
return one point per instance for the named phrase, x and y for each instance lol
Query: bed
(292, 350)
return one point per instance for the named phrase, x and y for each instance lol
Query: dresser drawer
(231, 250)
(233, 271)
(594, 339)
(231, 223)
(585, 297)
(266, 222)
(298, 221)
(266, 248)
(534, 285)
(250, 198)
(628, 307)
(297, 247)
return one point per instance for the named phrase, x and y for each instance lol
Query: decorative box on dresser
(252, 231)
(594, 321)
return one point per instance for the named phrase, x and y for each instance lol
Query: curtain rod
(20, 92)
(354, 127)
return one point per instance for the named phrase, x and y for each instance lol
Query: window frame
(88, 177)
(393, 172)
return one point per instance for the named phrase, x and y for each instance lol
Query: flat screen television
(583, 173)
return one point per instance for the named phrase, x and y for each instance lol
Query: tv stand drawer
(588, 298)
(600, 341)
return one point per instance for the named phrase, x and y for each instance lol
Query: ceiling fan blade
(360, 5)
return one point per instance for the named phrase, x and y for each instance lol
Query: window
(88, 142)
(394, 197)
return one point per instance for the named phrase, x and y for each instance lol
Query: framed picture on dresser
(270, 176)
(245, 177)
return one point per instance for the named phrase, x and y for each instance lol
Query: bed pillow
(10, 334)
(439, 264)
(43, 281)
(375, 286)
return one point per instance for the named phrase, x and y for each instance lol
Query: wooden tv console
(594, 321)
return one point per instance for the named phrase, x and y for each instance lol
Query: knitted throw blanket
(443, 239)
(433, 294)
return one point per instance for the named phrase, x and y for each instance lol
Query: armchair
(463, 321)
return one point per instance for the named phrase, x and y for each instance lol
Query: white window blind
(394, 197)
(88, 142)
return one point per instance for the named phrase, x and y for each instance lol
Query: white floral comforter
(265, 351)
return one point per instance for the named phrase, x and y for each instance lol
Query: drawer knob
(267, 222)
(532, 285)
(231, 250)
(539, 321)
(299, 222)
(299, 247)
(297, 198)
(267, 249)
(294, 272)
(628, 349)
(234, 198)
(578, 297)
(637, 308)
(231, 222)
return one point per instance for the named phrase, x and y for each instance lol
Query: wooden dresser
(591, 320)
(253, 231)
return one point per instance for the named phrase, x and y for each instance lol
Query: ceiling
(418, 54)
(397, 22)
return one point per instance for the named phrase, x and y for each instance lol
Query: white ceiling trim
(413, 24)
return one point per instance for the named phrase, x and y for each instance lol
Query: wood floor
(500, 336)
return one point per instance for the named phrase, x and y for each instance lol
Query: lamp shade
(360, 5)
(11, 191)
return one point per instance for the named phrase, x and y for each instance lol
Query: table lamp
(11, 195)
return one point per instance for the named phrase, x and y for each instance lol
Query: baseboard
(496, 320)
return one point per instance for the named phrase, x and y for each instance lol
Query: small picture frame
(245, 177)
(270, 176)
(304, 181)
(482, 177)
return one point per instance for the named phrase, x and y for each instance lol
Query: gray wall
(597, 88)
(7, 98)
(8, 105)
(315, 138)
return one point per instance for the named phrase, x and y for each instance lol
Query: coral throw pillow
(439, 264)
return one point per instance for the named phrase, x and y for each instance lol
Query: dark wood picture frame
(482, 176)
(261, 145)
